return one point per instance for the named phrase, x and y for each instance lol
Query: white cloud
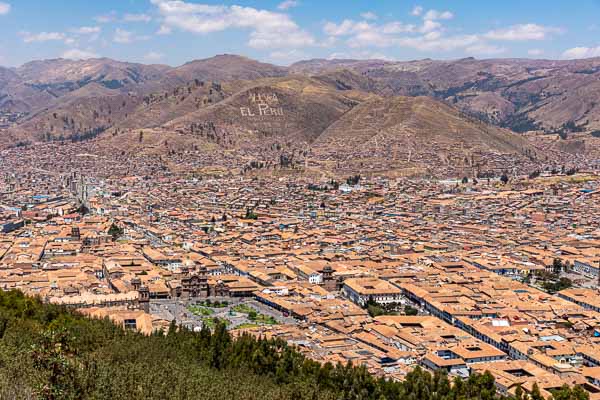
(430, 25)
(267, 38)
(68, 38)
(137, 18)
(581, 52)
(485, 49)
(451, 43)
(42, 36)
(287, 4)
(359, 55)
(106, 18)
(328, 42)
(523, 32)
(77, 54)
(86, 30)
(429, 37)
(4, 8)
(153, 56)
(287, 57)
(417, 11)
(164, 30)
(433, 15)
(535, 52)
(267, 29)
(433, 36)
(363, 34)
(397, 27)
(350, 27)
(369, 15)
(123, 36)
(370, 38)
(345, 28)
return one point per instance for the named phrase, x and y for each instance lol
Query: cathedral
(194, 284)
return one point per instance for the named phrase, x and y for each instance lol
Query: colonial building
(361, 290)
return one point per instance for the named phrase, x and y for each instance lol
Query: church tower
(144, 298)
(328, 282)
(203, 281)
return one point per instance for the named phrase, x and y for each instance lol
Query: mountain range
(415, 116)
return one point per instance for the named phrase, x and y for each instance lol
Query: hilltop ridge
(204, 103)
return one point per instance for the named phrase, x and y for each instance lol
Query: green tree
(115, 231)
(409, 310)
(557, 266)
(50, 355)
(535, 393)
(50, 352)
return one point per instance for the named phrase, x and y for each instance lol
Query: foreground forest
(48, 352)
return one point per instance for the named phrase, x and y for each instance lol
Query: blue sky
(175, 31)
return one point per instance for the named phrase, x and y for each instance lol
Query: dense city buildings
(389, 273)
(300, 200)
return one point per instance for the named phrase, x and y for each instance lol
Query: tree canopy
(49, 352)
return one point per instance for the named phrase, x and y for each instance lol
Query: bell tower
(203, 281)
(328, 281)
(144, 298)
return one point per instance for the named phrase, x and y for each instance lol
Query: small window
(130, 324)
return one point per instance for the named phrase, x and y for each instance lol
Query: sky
(284, 31)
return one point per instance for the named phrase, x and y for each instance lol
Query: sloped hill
(423, 134)
(15, 96)
(160, 108)
(155, 94)
(7, 76)
(344, 79)
(60, 74)
(342, 115)
(226, 67)
(39, 85)
(80, 114)
(520, 94)
(277, 112)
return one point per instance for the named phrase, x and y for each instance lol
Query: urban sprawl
(466, 275)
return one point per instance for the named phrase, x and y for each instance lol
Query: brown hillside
(420, 133)
(276, 112)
